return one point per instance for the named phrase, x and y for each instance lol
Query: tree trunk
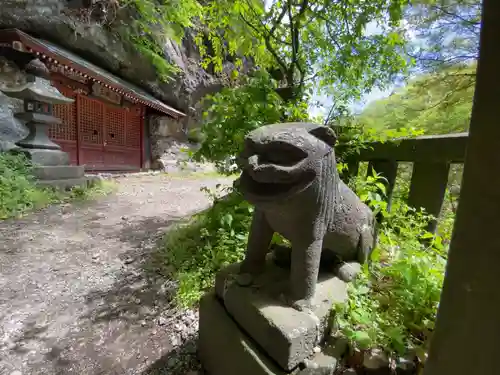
(467, 334)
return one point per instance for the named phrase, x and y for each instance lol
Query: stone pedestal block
(58, 172)
(45, 157)
(51, 169)
(38, 125)
(225, 349)
(287, 336)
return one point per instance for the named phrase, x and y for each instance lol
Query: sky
(375, 94)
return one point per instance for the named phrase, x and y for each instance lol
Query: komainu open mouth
(273, 189)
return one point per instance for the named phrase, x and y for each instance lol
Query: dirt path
(73, 296)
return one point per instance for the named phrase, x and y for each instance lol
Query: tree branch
(264, 27)
(277, 22)
(448, 13)
(267, 42)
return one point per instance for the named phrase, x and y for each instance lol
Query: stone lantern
(39, 96)
(51, 163)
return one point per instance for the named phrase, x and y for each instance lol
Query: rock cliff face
(167, 152)
(47, 19)
(11, 129)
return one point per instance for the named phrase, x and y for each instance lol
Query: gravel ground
(74, 298)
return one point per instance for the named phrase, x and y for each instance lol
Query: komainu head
(281, 160)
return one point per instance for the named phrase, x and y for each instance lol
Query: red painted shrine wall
(99, 135)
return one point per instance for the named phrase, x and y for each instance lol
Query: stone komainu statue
(289, 174)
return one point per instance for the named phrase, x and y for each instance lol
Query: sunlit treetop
(309, 41)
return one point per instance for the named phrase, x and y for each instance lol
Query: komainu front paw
(248, 272)
(303, 305)
(244, 279)
(347, 272)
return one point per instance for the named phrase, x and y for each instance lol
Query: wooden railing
(431, 157)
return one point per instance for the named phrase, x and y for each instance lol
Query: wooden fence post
(352, 170)
(389, 170)
(428, 188)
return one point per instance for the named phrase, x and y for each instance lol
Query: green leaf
(362, 339)
(427, 235)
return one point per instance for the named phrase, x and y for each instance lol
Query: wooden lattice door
(91, 117)
(122, 150)
(115, 151)
(65, 133)
(133, 139)
(110, 136)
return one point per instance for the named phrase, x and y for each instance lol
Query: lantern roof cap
(39, 89)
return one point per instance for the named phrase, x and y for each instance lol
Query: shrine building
(104, 128)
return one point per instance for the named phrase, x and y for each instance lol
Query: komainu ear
(325, 133)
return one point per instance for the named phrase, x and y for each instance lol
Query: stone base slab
(46, 157)
(224, 349)
(288, 336)
(59, 172)
(67, 184)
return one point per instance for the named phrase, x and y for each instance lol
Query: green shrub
(393, 304)
(235, 111)
(19, 193)
(193, 252)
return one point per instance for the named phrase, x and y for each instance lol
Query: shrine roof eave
(49, 52)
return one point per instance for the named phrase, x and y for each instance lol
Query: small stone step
(59, 172)
(320, 364)
(66, 184)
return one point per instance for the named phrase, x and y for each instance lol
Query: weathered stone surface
(164, 127)
(169, 146)
(11, 128)
(320, 364)
(407, 365)
(67, 184)
(287, 335)
(58, 172)
(38, 137)
(375, 359)
(289, 174)
(337, 348)
(47, 157)
(47, 19)
(223, 348)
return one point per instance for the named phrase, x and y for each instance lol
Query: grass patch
(98, 189)
(19, 193)
(193, 252)
(393, 304)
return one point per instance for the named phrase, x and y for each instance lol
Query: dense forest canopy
(444, 107)
(444, 49)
